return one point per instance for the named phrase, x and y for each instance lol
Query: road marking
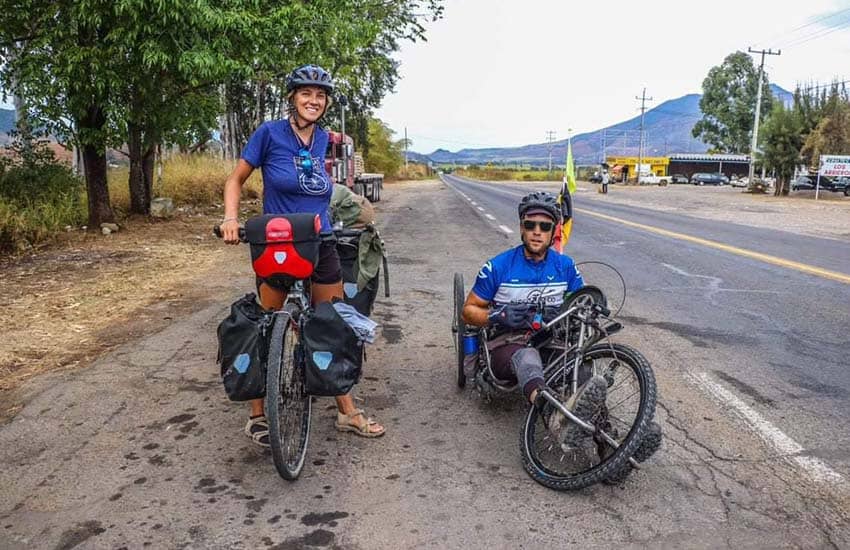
(472, 202)
(506, 229)
(816, 469)
(490, 217)
(767, 258)
(479, 208)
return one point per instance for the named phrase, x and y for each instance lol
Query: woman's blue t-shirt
(287, 188)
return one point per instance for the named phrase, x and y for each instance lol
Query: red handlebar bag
(284, 246)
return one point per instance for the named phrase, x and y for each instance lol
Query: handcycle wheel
(459, 328)
(629, 408)
(288, 406)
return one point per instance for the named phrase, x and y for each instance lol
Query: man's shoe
(585, 404)
(650, 443)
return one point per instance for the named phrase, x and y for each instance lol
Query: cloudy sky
(504, 72)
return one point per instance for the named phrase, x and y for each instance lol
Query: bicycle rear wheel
(288, 406)
(459, 328)
(629, 407)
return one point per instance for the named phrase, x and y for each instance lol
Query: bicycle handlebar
(336, 233)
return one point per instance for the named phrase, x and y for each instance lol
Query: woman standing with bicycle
(291, 155)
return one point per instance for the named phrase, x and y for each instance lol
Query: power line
(820, 33)
(788, 33)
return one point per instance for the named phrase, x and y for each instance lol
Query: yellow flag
(565, 199)
(571, 169)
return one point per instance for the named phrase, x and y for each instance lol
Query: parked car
(679, 178)
(803, 183)
(702, 178)
(739, 182)
(836, 185)
(595, 178)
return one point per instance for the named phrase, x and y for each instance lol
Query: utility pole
(643, 99)
(754, 143)
(405, 148)
(550, 138)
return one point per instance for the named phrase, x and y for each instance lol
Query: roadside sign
(834, 166)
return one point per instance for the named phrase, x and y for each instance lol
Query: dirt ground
(88, 293)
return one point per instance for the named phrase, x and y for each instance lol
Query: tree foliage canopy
(102, 73)
(728, 104)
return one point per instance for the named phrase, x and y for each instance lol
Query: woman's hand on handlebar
(230, 231)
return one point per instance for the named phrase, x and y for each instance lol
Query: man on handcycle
(508, 291)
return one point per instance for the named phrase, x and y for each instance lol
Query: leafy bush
(38, 196)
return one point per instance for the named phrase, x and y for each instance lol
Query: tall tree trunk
(100, 211)
(94, 162)
(148, 159)
(139, 196)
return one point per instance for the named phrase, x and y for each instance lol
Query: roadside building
(689, 164)
(624, 168)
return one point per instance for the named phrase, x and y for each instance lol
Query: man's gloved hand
(512, 316)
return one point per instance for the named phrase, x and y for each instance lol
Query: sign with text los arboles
(835, 165)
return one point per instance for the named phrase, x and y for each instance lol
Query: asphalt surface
(142, 449)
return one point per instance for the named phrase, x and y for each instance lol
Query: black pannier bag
(332, 352)
(242, 349)
(348, 249)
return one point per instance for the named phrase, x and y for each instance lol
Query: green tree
(783, 139)
(140, 72)
(728, 104)
(64, 70)
(831, 133)
(385, 155)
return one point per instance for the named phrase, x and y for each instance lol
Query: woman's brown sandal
(362, 428)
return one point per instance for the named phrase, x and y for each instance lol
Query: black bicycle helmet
(310, 75)
(541, 201)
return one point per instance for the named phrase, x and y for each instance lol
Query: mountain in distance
(667, 130)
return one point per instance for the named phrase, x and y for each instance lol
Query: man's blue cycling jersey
(511, 278)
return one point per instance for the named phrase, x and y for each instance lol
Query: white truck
(648, 178)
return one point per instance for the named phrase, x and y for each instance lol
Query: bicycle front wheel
(629, 407)
(288, 406)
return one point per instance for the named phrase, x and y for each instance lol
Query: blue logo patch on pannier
(322, 359)
(350, 289)
(242, 362)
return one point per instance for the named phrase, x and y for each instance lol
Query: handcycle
(288, 406)
(574, 343)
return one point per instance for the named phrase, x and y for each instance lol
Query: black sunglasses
(545, 227)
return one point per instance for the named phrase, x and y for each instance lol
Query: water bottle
(470, 353)
(470, 344)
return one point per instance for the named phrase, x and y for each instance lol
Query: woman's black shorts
(327, 272)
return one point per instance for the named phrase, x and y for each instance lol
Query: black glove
(512, 316)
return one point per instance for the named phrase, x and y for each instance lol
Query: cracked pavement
(142, 449)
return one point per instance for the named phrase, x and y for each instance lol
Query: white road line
(472, 202)
(816, 469)
(479, 208)
(490, 217)
(506, 229)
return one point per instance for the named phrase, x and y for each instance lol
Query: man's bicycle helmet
(542, 203)
(310, 75)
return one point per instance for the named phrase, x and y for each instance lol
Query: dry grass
(187, 179)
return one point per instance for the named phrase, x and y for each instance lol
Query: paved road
(141, 449)
(775, 336)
